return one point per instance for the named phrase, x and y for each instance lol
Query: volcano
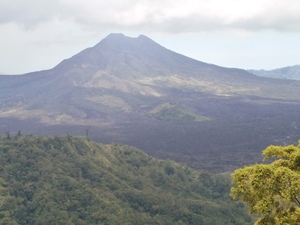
(135, 91)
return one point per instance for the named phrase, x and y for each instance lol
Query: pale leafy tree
(272, 191)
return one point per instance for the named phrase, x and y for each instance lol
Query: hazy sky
(248, 34)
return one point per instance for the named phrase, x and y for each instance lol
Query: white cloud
(177, 16)
(27, 13)
(38, 34)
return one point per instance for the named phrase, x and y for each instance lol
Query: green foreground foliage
(272, 190)
(72, 180)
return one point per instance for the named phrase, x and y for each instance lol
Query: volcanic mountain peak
(121, 39)
(125, 57)
(140, 93)
(113, 51)
(142, 63)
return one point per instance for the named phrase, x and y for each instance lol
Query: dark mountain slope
(71, 180)
(135, 59)
(134, 91)
(142, 63)
(136, 66)
(118, 53)
(138, 58)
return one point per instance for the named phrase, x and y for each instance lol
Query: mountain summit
(136, 67)
(140, 63)
(133, 67)
(135, 91)
(125, 63)
(130, 57)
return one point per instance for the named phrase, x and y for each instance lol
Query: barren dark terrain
(111, 89)
(235, 136)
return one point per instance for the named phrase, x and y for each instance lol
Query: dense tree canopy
(72, 180)
(272, 190)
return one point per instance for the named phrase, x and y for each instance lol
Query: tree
(272, 190)
(7, 135)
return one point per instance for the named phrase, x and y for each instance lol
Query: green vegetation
(175, 112)
(272, 190)
(72, 180)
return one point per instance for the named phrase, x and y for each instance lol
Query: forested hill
(72, 180)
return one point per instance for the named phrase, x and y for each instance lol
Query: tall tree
(7, 135)
(272, 190)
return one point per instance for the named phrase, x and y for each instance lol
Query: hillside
(130, 70)
(72, 180)
(136, 92)
(290, 73)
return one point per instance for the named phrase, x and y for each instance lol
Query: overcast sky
(248, 34)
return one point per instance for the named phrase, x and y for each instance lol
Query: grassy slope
(71, 180)
(174, 112)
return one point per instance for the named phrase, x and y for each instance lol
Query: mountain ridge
(99, 57)
(132, 59)
(289, 72)
(113, 87)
